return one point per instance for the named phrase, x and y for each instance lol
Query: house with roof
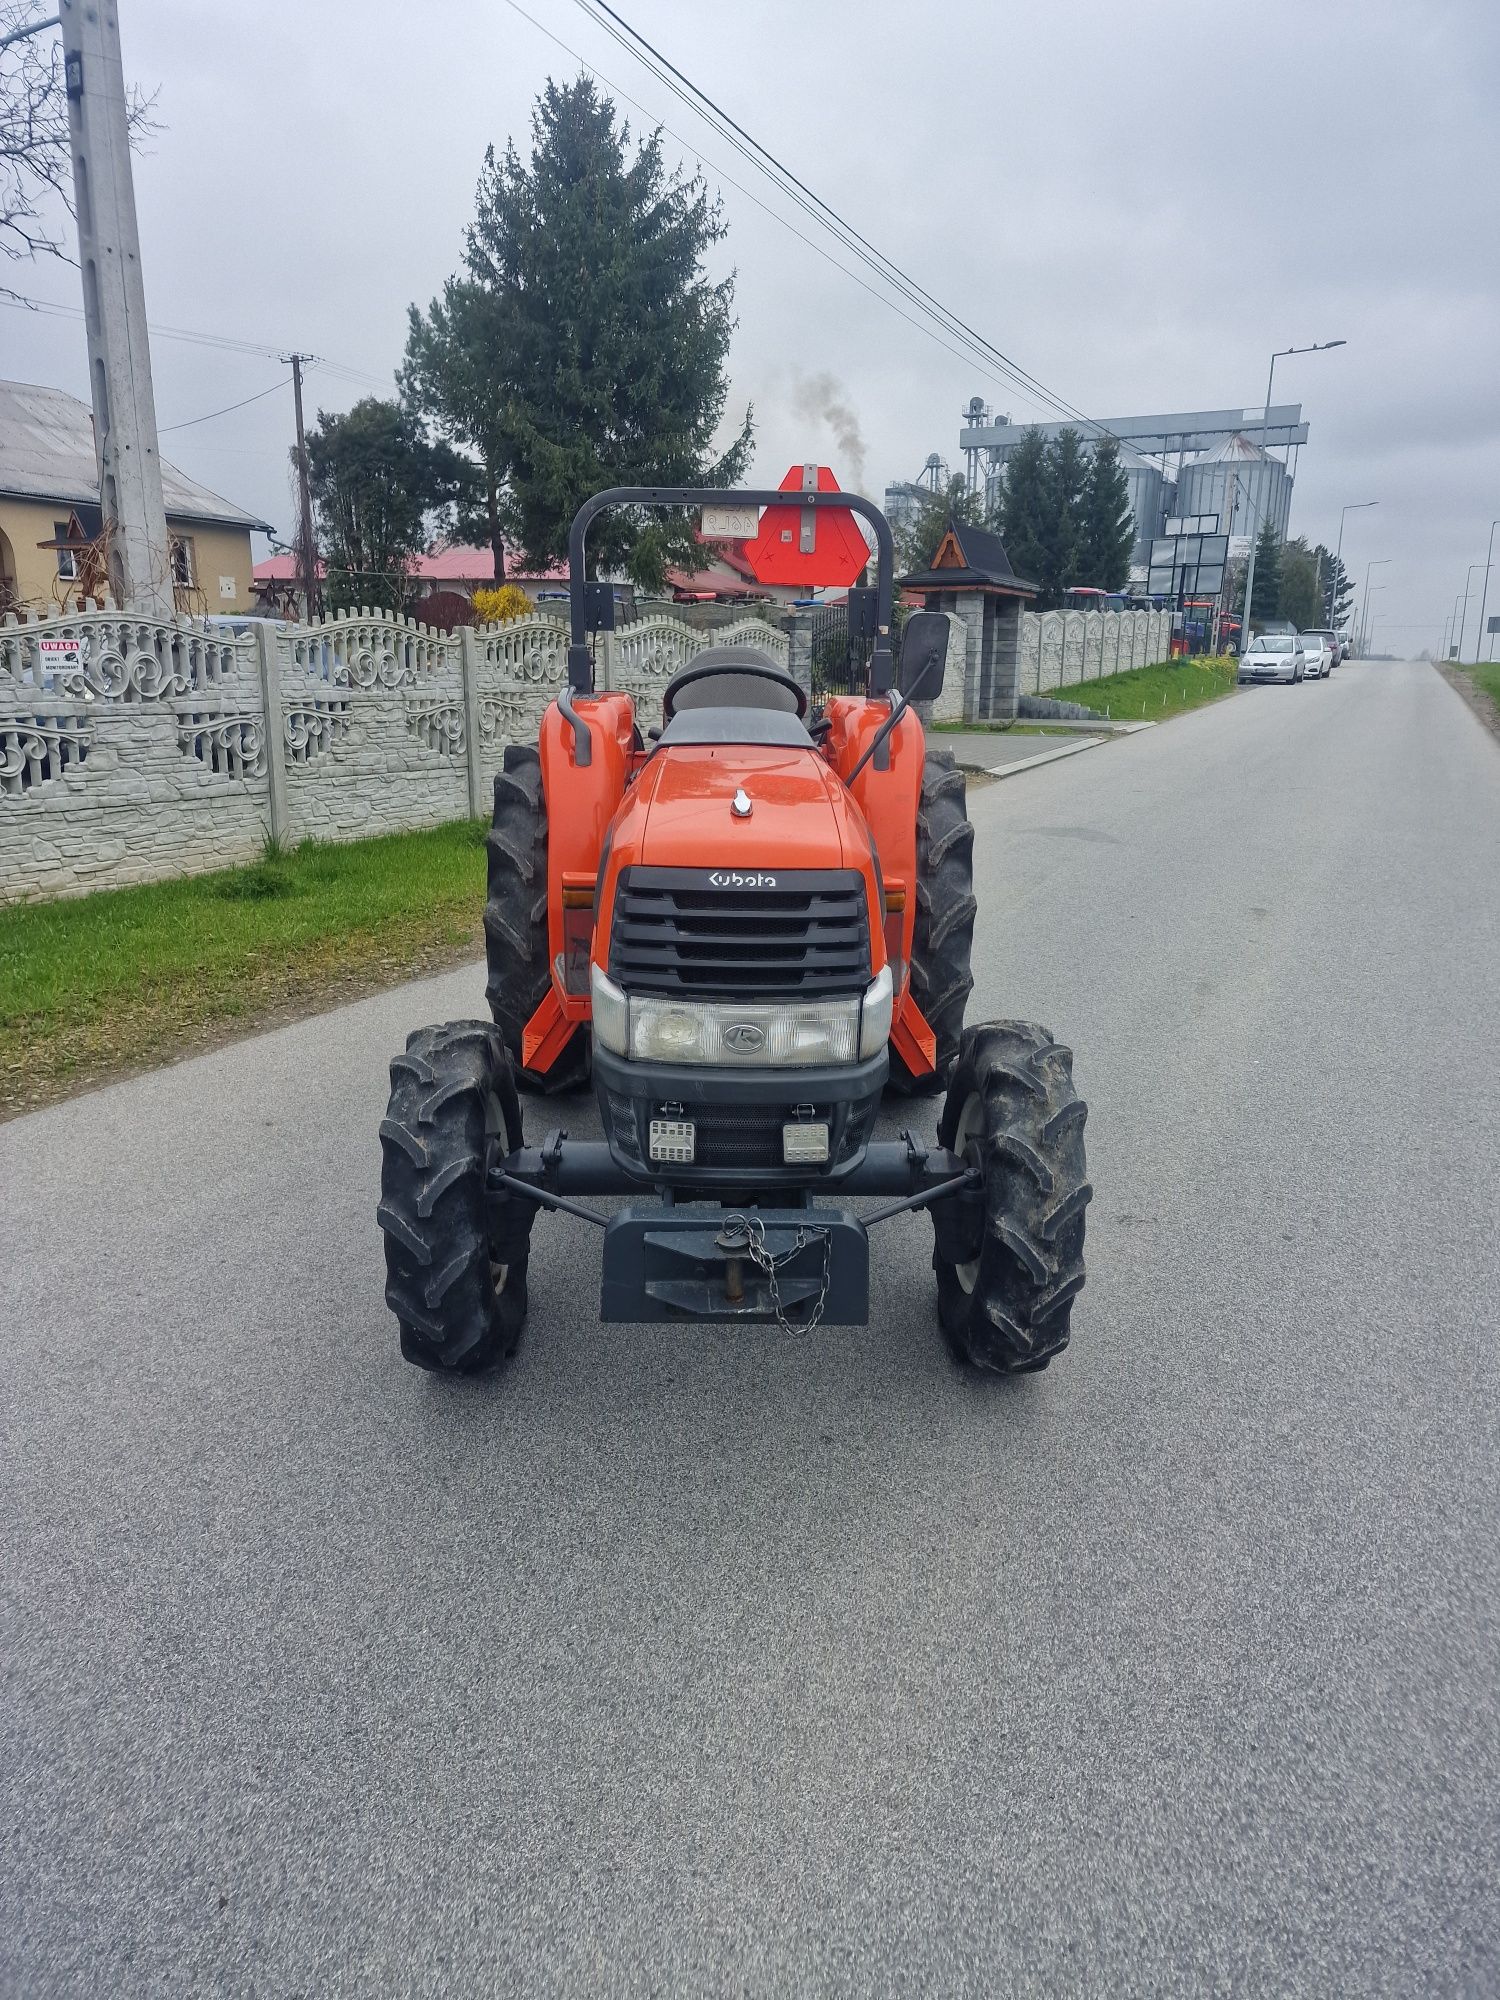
(443, 582)
(51, 530)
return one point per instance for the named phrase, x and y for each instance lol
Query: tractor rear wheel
(1009, 1255)
(455, 1254)
(943, 933)
(515, 920)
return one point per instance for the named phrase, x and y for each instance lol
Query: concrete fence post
(268, 659)
(1002, 630)
(604, 662)
(468, 667)
(799, 649)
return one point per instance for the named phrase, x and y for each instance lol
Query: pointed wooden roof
(969, 558)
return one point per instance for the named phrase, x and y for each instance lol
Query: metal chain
(755, 1232)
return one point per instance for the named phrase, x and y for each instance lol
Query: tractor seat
(733, 677)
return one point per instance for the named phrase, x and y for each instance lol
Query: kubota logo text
(731, 878)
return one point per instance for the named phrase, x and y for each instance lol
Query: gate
(841, 664)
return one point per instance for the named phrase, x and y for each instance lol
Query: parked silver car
(1318, 654)
(1331, 640)
(1273, 656)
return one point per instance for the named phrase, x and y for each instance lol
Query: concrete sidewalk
(1006, 750)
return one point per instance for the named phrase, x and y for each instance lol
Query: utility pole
(114, 310)
(311, 604)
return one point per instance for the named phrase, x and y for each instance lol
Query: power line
(222, 341)
(822, 213)
(593, 69)
(972, 358)
(188, 422)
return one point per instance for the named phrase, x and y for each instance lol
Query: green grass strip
(1149, 693)
(130, 977)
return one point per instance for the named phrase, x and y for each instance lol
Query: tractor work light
(671, 1141)
(805, 1145)
(743, 1034)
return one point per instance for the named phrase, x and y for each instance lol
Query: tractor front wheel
(943, 930)
(455, 1254)
(1009, 1253)
(515, 921)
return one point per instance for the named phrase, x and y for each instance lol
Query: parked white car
(1273, 656)
(1336, 646)
(1318, 654)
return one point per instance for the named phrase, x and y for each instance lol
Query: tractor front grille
(725, 934)
(745, 1135)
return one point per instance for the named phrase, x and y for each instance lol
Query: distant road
(677, 1661)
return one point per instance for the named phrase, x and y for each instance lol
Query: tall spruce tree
(1023, 501)
(1267, 576)
(1298, 597)
(1338, 588)
(1107, 528)
(1062, 509)
(585, 346)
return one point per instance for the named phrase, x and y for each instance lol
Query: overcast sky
(1138, 203)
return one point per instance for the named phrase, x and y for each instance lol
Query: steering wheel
(749, 669)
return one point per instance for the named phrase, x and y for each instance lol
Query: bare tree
(36, 169)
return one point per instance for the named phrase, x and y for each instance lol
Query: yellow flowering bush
(498, 607)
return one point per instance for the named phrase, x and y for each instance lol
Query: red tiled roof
(451, 565)
(715, 581)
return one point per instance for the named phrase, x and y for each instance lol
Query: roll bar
(581, 667)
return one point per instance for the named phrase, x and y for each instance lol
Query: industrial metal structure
(1178, 462)
(904, 498)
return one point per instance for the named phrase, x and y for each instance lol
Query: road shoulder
(1473, 695)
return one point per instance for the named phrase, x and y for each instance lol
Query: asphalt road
(682, 1661)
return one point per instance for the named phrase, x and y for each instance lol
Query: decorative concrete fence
(1061, 648)
(132, 749)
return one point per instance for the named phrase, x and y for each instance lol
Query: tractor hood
(681, 812)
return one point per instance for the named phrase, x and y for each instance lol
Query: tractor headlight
(743, 1034)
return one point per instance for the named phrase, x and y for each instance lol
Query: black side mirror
(924, 655)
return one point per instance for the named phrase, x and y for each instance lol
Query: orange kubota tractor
(744, 930)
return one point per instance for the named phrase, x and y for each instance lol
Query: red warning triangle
(839, 552)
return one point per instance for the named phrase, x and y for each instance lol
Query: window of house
(184, 566)
(67, 559)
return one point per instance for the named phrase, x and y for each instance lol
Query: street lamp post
(1317, 347)
(1375, 562)
(1463, 621)
(1484, 595)
(1338, 557)
(1364, 646)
